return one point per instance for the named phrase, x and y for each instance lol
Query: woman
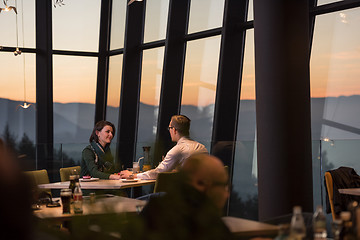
(97, 160)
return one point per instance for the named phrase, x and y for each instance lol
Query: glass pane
(76, 25)
(205, 14)
(149, 98)
(199, 87)
(18, 29)
(74, 98)
(114, 88)
(118, 18)
(250, 15)
(17, 85)
(322, 2)
(244, 195)
(335, 95)
(335, 73)
(156, 20)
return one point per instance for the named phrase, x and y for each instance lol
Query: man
(192, 210)
(179, 128)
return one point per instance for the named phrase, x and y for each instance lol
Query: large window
(114, 87)
(199, 87)
(17, 91)
(74, 98)
(335, 95)
(335, 73)
(243, 201)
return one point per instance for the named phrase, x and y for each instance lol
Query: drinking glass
(65, 196)
(136, 167)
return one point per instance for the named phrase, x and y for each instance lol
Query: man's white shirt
(175, 157)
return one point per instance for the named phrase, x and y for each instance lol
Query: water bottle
(297, 226)
(78, 199)
(319, 224)
(72, 183)
(346, 231)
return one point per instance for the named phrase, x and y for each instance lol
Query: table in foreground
(104, 205)
(100, 184)
(351, 191)
(249, 228)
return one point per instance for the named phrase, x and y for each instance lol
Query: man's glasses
(171, 128)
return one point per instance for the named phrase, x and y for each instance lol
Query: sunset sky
(334, 66)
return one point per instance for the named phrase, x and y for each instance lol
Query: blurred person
(193, 209)
(97, 160)
(179, 129)
(15, 201)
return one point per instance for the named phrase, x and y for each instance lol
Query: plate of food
(88, 179)
(130, 179)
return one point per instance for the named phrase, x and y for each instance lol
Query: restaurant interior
(270, 88)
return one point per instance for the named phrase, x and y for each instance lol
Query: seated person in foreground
(97, 160)
(193, 209)
(179, 128)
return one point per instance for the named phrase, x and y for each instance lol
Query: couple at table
(98, 161)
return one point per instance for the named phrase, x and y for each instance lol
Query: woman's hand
(114, 177)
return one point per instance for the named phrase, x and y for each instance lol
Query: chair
(330, 190)
(39, 177)
(165, 181)
(66, 172)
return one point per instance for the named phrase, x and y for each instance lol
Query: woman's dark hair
(98, 127)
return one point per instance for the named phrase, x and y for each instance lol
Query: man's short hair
(182, 124)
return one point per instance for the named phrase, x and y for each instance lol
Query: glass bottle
(346, 231)
(147, 162)
(352, 207)
(297, 225)
(72, 183)
(78, 199)
(283, 232)
(319, 224)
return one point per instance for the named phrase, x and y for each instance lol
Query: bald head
(207, 174)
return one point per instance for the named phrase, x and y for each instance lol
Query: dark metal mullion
(12, 49)
(229, 81)
(154, 44)
(203, 34)
(116, 52)
(333, 7)
(312, 4)
(44, 87)
(173, 72)
(130, 85)
(103, 61)
(75, 53)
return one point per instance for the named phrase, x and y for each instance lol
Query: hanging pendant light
(17, 52)
(7, 8)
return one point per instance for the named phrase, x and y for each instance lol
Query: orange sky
(334, 66)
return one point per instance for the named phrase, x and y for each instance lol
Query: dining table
(104, 204)
(100, 184)
(241, 227)
(350, 191)
(104, 184)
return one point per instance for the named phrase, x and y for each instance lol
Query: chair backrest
(66, 172)
(330, 190)
(164, 181)
(39, 177)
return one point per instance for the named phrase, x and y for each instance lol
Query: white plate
(89, 179)
(130, 180)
